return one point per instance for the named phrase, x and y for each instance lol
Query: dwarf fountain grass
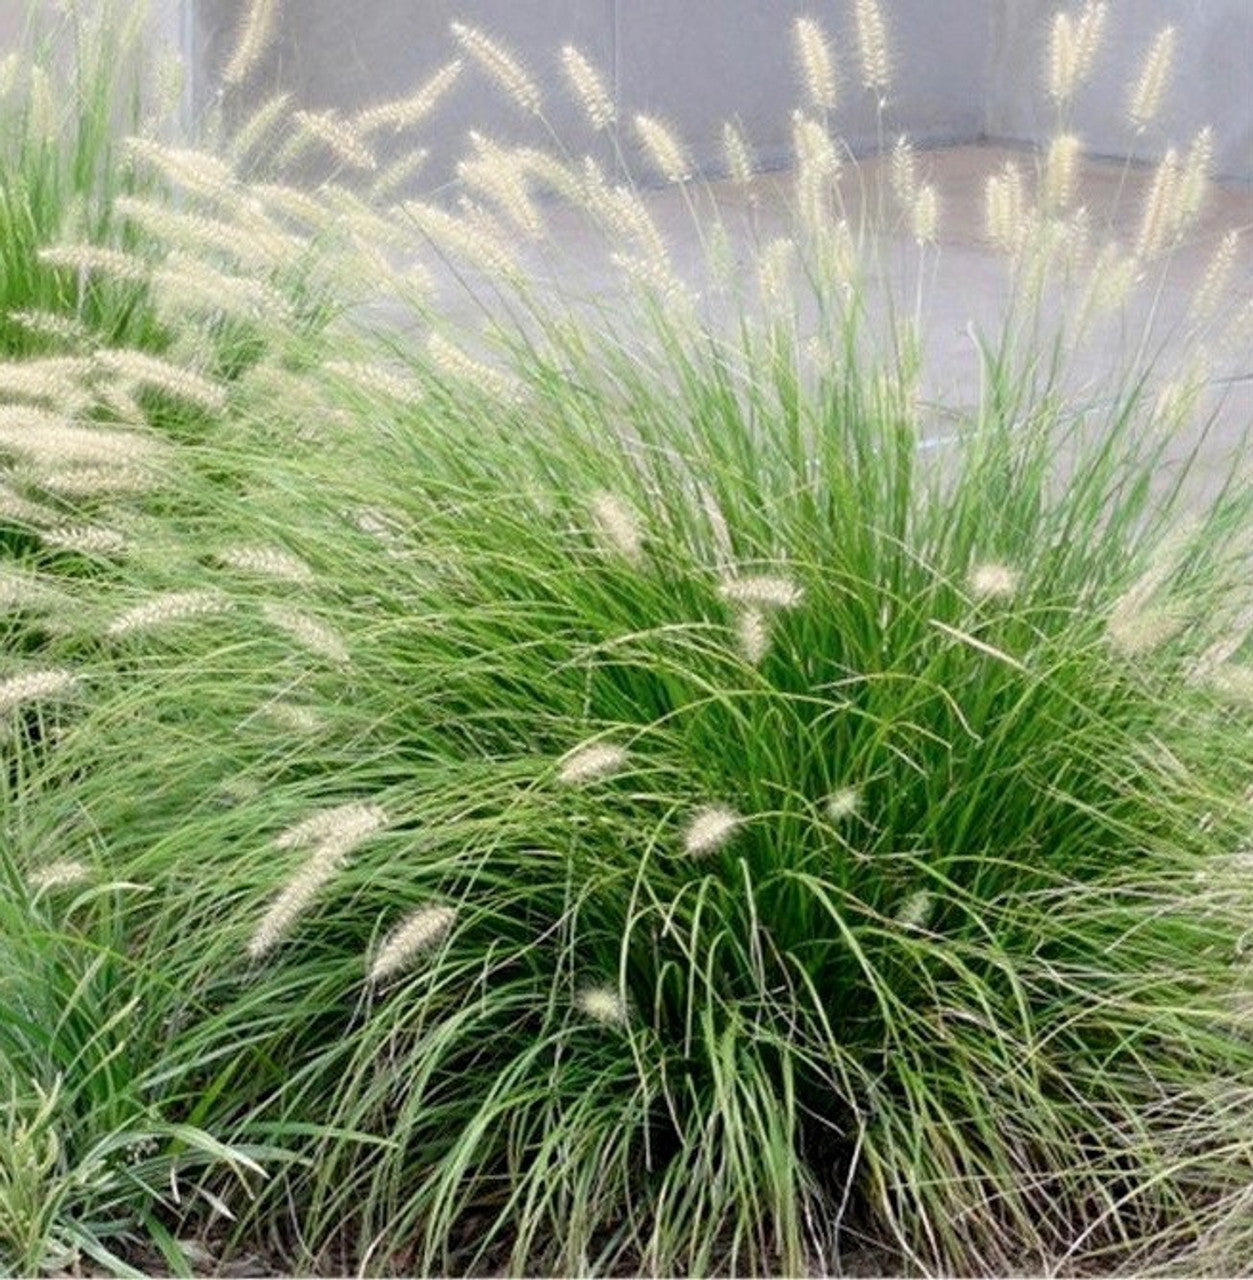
(908, 918)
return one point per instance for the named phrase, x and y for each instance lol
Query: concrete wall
(1213, 80)
(694, 62)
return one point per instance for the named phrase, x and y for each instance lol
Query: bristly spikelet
(736, 154)
(418, 932)
(924, 217)
(1006, 208)
(993, 581)
(752, 629)
(817, 64)
(254, 38)
(36, 686)
(602, 1004)
(92, 480)
(257, 129)
(167, 608)
(339, 832)
(762, 591)
(842, 804)
(199, 172)
(710, 829)
(58, 874)
(1149, 88)
(500, 66)
(187, 285)
(451, 361)
(267, 562)
(94, 259)
(916, 910)
(160, 375)
(1138, 622)
(20, 590)
(377, 380)
(472, 243)
(397, 174)
(1060, 171)
(774, 275)
(904, 173)
(664, 149)
(58, 379)
(872, 46)
(86, 539)
(817, 168)
(1217, 277)
(48, 438)
(591, 762)
(339, 137)
(411, 110)
(1089, 35)
(51, 324)
(618, 527)
(333, 823)
(1160, 220)
(1061, 58)
(497, 174)
(589, 88)
(1195, 175)
(307, 631)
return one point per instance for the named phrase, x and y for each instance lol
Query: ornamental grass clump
(619, 791)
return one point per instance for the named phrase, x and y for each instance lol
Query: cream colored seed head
(618, 527)
(602, 1004)
(267, 562)
(501, 66)
(355, 818)
(842, 804)
(753, 632)
(664, 149)
(589, 88)
(709, 830)
(817, 64)
(56, 875)
(405, 113)
(591, 762)
(339, 137)
(254, 38)
(925, 215)
(736, 154)
(1060, 171)
(36, 686)
(762, 591)
(1150, 87)
(167, 608)
(993, 581)
(419, 932)
(307, 631)
(872, 46)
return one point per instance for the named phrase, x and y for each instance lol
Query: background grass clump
(614, 792)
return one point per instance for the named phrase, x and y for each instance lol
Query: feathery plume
(1161, 218)
(292, 203)
(842, 804)
(419, 932)
(589, 88)
(1217, 277)
(1194, 176)
(993, 581)
(872, 45)
(95, 259)
(332, 824)
(163, 376)
(904, 173)
(1089, 34)
(399, 172)
(339, 833)
(18, 510)
(1060, 169)
(337, 136)
(723, 546)
(737, 154)
(185, 284)
(457, 236)
(709, 830)
(1005, 208)
(254, 38)
(1111, 279)
(916, 910)
(664, 149)
(306, 630)
(762, 592)
(254, 245)
(166, 608)
(51, 324)
(618, 527)
(817, 167)
(500, 66)
(591, 762)
(36, 686)
(1137, 623)
(55, 378)
(293, 717)
(198, 172)
(752, 629)
(497, 174)
(266, 562)
(377, 380)
(406, 112)
(1150, 86)
(20, 590)
(817, 64)
(85, 539)
(46, 437)
(774, 274)
(257, 129)
(92, 480)
(58, 874)
(925, 215)
(602, 1004)
(1072, 50)
(451, 361)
